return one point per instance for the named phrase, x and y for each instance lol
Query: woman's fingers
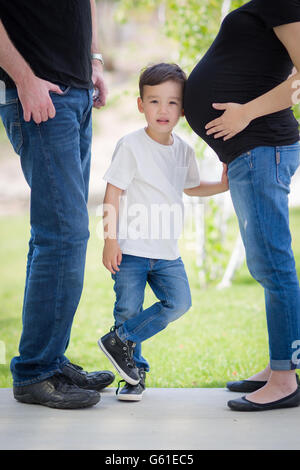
(221, 134)
(214, 129)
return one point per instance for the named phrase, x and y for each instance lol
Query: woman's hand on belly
(233, 120)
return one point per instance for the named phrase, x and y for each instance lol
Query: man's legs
(57, 174)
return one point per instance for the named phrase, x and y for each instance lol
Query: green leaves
(192, 24)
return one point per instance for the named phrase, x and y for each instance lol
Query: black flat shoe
(242, 404)
(245, 386)
(248, 386)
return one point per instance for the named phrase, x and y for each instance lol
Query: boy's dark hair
(160, 73)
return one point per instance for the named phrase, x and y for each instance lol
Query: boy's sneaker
(56, 392)
(132, 392)
(121, 355)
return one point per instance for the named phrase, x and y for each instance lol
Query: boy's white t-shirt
(153, 177)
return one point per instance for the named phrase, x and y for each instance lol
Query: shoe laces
(74, 366)
(119, 384)
(77, 368)
(62, 383)
(142, 375)
(128, 349)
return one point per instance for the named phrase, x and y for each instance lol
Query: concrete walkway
(166, 419)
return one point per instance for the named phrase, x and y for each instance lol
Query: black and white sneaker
(121, 355)
(132, 392)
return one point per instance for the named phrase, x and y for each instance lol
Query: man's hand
(99, 85)
(233, 120)
(35, 98)
(112, 255)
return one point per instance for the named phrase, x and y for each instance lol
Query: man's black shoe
(132, 392)
(88, 380)
(120, 354)
(56, 392)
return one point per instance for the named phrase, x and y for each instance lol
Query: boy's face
(162, 106)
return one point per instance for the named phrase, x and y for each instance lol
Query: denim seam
(287, 188)
(277, 164)
(126, 299)
(280, 364)
(90, 100)
(38, 379)
(20, 126)
(12, 101)
(60, 224)
(29, 261)
(270, 255)
(123, 336)
(65, 92)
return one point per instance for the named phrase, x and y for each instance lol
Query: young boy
(150, 169)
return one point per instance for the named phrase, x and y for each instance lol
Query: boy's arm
(206, 188)
(112, 255)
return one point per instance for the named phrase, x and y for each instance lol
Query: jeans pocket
(10, 116)
(239, 167)
(287, 162)
(64, 91)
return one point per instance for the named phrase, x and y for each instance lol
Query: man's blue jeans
(259, 185)
(55, 158)
(169, 282)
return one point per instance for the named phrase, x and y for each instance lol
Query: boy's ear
(182, 113)
(140, 104)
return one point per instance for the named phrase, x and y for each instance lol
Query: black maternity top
(245, 61)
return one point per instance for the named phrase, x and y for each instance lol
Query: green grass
(223, 336)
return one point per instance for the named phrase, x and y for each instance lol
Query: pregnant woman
(238, 99)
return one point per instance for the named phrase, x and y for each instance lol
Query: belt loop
(277, 156)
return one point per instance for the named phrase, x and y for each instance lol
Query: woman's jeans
(259, 183)
(169, 282)
(55, 158)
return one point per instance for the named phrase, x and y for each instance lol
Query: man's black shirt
(53, 36)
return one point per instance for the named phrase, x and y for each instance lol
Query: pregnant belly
(198, 99)
(208, 84)
(212, 84)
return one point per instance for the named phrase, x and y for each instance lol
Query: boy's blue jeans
(169, 282)
(55, 159)
(259, 185)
